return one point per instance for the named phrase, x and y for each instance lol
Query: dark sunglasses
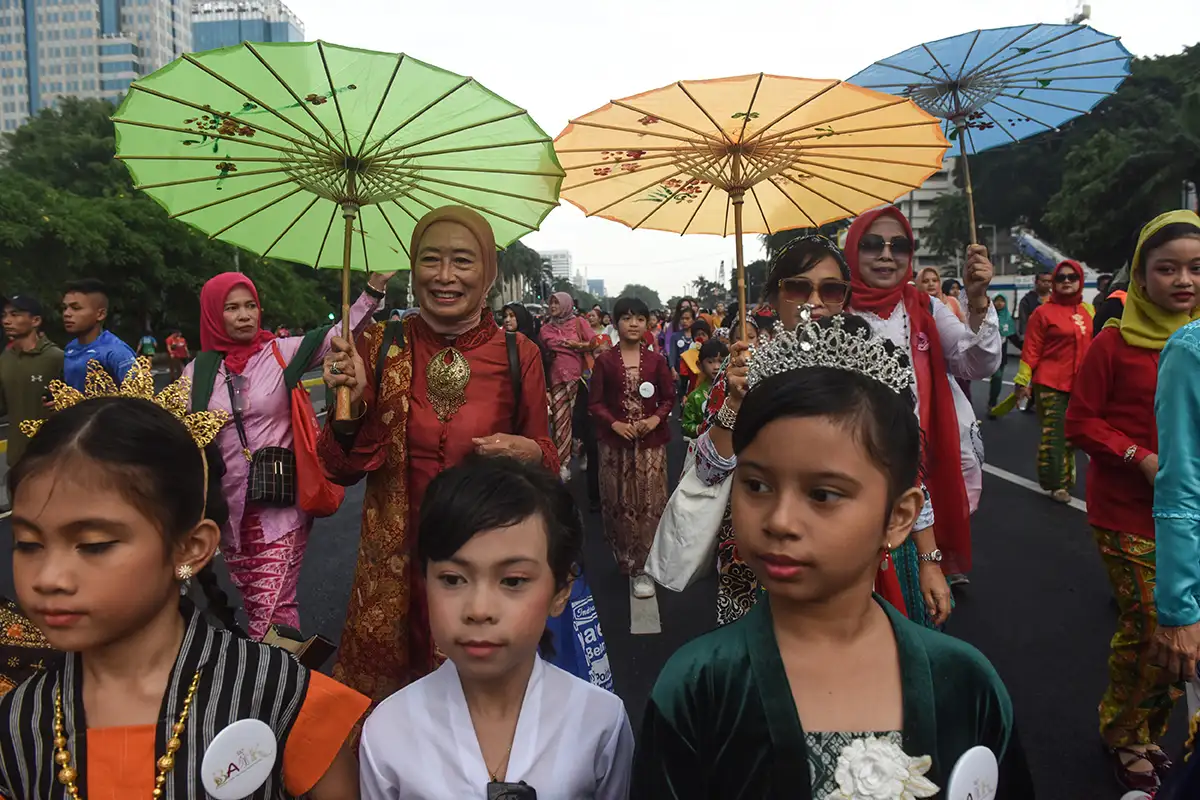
(1066, 277)
(872, 244)
(799, 290)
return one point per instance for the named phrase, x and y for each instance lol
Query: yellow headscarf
(1144, 324)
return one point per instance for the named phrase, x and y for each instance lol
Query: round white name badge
(975, 776)
(646, 390)
(681, 343)
(239, 760)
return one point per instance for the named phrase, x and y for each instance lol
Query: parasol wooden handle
(341, 410)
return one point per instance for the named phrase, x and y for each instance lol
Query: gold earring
(887, 554)
(184, 572)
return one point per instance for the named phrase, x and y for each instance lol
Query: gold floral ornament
(446, 380)
(139, 383)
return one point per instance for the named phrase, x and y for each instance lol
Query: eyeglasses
(799, 289)
(872, 244)
(1066, 277)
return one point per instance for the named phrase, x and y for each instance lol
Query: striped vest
(239, 679)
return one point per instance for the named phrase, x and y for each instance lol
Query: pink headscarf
(213, 335)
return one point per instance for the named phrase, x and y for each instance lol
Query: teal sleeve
(1177, 487)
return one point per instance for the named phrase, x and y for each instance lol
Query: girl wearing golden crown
(110, 523)
(823, 685)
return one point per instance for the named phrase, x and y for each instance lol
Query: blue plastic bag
(578, 641)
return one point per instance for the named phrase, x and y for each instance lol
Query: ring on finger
(335, 369)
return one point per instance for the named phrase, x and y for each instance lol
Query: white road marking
(643, 614)
(1032, 486)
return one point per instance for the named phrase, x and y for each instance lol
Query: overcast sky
(563, 59)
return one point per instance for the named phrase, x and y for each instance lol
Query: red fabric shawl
(941, 460)
(213, 335)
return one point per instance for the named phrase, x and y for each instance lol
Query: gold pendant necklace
(62, 756)
(446, 380)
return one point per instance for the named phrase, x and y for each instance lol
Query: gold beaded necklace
(62, 756)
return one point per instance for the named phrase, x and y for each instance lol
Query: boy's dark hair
(487, 492)
(880, 419)
(88, 286)
(150, 458)
(630, 305)
(713, 348)
(700, 326)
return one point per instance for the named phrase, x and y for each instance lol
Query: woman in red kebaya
(1056, 342)
(1111, 418)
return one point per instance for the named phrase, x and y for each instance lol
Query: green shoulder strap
(204, 375)
(309, 345)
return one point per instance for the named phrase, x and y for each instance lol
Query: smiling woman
(426, 392)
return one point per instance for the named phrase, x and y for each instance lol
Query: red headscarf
(1072, 300)
(941, 455)
(213, 335)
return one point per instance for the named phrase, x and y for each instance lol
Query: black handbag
(272, 469)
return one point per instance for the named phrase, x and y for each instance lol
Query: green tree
(756, 281)
(644, 293)
(709, 293)
(947, 234)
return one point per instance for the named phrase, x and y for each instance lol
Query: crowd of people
(833, 457)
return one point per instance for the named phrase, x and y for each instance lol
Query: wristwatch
(934, 557)
(726, 417)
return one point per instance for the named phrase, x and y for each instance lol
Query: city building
(85, 48)
(918, 204)
(595, 287)
(226, 23)
(559, 261)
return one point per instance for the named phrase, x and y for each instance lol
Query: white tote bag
(685, 544)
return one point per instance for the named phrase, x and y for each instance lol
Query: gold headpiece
(202, 425)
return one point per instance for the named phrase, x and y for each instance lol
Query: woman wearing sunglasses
(879, 248)
(1056, 342)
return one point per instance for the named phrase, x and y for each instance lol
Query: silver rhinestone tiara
(811, 345)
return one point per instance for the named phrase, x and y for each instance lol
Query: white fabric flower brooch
(877, 769)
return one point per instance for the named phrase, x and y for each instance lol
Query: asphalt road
(1039, 606)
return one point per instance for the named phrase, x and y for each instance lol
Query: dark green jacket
(24, 378)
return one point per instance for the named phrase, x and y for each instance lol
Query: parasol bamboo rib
(1003, 47)
(806, 163)
(1029, 117)
(993, 69)
(131, 157)
(868, 159)
(256, 211)
(1074, 65)
(612, 163)
(237, 196)
(662, 203)
(934, 59)
(761, 213)
(328, 230)
(750, 108)
(1042, 103)
(967, 58)
(474, 148)
(478, 208)
(1065, 89)
(417, 114)
(300, 103)
(509, 115)
(210, 135)
(699, 206)
(379, 108)
(704, 111)
(623, 173)
(488, 171)
(392, 228)
(206, 178)
(223, 115)
(636, 110)
(760, 138)
(998, 124)
(487, 190)
(607, 127)
(833, 85)
(337, 104)
(812, 223)
(329, 141)
(292, 224)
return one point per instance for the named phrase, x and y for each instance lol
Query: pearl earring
(887, 555)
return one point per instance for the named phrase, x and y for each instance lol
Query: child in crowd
(631, 399)
(110, 523)
(689, 359)
(498, 542)
(823, 687)
(712, 355)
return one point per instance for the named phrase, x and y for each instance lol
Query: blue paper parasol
(998, 86)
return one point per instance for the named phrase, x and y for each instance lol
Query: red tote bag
(315, 494)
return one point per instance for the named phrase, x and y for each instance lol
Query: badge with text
(239, 760)
(975, 776)
(646, 390)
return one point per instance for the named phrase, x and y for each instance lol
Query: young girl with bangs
(110, 524)
(822, 684)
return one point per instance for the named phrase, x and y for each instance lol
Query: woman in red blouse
(1056, 342)
(447, 387)
(631, 396)
(1111, 418)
